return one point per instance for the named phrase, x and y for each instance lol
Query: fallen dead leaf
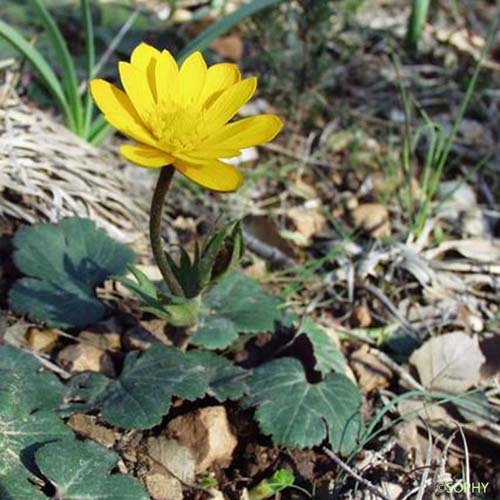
(87, 426)
(207, 433)
(41, 340)
(450, 362)
(308, 221)
(373, 219)
(84, 357)
(370, 372)
(177, 458)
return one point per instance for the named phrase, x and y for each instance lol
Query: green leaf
(202, 41)
(142, 394)
(82, 471)
(327, 355)
(299, 414)
(64, 262)
(27, 421)
(42, 67)
(238, 304)
(268, 487)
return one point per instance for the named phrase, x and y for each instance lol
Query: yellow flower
(179, 116)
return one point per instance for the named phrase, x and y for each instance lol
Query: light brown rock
(83, 357)
(207, 433)
(373, 219)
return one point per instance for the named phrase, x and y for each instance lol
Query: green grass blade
(98, 131)
(44, 70)
(202, 41)
(90, 49)
(416, 22)
(69, 80)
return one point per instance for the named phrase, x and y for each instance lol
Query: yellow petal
(192, 78)
(145, 156)
(167, 77)
(213, 175)
(229, 103)
(136, 85)
(144, 58)
(219, 77)
(119, 111)
(251, 131)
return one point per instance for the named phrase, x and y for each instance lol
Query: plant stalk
(155, 218)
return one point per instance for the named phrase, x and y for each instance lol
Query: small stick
(354, 474)
(381, 356)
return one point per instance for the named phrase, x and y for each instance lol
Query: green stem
(155, 218)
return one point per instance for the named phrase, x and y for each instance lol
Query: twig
(380, 295)
(354, 474)
(48, 364)
(381, 356)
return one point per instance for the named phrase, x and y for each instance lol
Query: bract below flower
(182, 116)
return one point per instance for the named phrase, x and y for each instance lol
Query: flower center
(178, 129)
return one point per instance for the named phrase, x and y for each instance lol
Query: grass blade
(69, 80)
(202, 41)
(416, 22)
(90, 50)
(43, 69)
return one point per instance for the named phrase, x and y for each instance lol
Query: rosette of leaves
(63, 264)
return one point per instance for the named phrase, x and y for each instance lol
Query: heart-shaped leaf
(64, 263)
(238, 304)
(82, 471)
(328, 356)
(299, 414)
(27, 421)
(141, 395)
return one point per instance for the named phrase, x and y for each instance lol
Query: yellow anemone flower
(179, 115)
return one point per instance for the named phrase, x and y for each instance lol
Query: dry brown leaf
(450, 362)
(308, 221)
(84, 357)
(177, 458)
(207, 433)
(41, 340)
(370, 371)
(373, 219)
(87, 426)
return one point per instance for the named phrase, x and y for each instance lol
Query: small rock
(41, 340)
(87, 426)
(163, 487)
(361, 316)
(370, 371)
(372, 218)
(84, 357)
(207, 433)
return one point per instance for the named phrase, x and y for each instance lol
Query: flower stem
(155, 218)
